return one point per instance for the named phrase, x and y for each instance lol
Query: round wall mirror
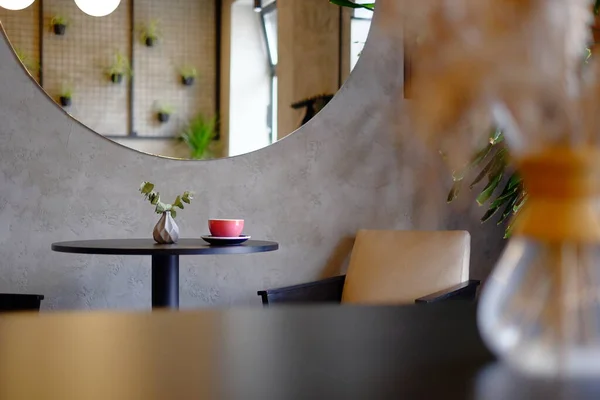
(193, 79)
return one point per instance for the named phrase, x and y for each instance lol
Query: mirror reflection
(197, 79)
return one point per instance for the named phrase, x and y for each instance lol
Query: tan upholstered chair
(393, 267)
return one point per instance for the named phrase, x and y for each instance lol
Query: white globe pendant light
(15, 4)
(97, 8)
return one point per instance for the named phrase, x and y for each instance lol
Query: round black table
(165, 258)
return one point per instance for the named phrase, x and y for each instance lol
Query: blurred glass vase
(540, 309)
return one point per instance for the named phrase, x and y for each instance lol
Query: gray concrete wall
(353, 166)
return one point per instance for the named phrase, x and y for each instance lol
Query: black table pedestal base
(165, 281)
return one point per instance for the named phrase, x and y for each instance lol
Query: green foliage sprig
(351, 4)
(147, 189)
(493, 160)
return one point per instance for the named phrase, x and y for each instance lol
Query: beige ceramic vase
(166, 230)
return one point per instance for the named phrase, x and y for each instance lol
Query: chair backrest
(397, 267)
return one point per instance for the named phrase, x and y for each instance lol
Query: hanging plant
(150, 33)
(164, 113)
(188, 75)
(59, 25)
(66, 97)
(119, 69)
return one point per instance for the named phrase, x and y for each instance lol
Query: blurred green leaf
(487, 192)
(492, 167)
(173, 213)
(454, 191)
(347, 3)
(146, 187)
(160, 207)
(509, 229)
(508, 210)
(154, 198)
(198, 135)
(489, 213)
(477, 158)
(178, 203)
(496, 137)
(501, 200)
(509, 190)
(521, 200)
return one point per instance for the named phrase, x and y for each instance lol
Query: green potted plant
(150, 32)
(198, 135)
(119, 68)
(164, 112)
(66, 96)
(166, 230)
(59, 25)
(188, 75)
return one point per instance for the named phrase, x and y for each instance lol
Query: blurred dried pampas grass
(515, 64)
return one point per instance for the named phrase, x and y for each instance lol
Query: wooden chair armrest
(323, 291)
(463, 291)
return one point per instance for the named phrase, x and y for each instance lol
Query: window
(269, 21)
(359, 31)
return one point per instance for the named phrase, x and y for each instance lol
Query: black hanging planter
(65, 101)
(163, 117)
(150, 41)
(188, 80)
(116, 78)
(60, 29)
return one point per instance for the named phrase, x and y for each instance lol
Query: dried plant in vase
(166, 230)
(518, 65)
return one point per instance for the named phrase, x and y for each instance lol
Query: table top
(287, 352)
(150, 247)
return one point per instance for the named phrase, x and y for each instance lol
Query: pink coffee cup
(226, 227)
